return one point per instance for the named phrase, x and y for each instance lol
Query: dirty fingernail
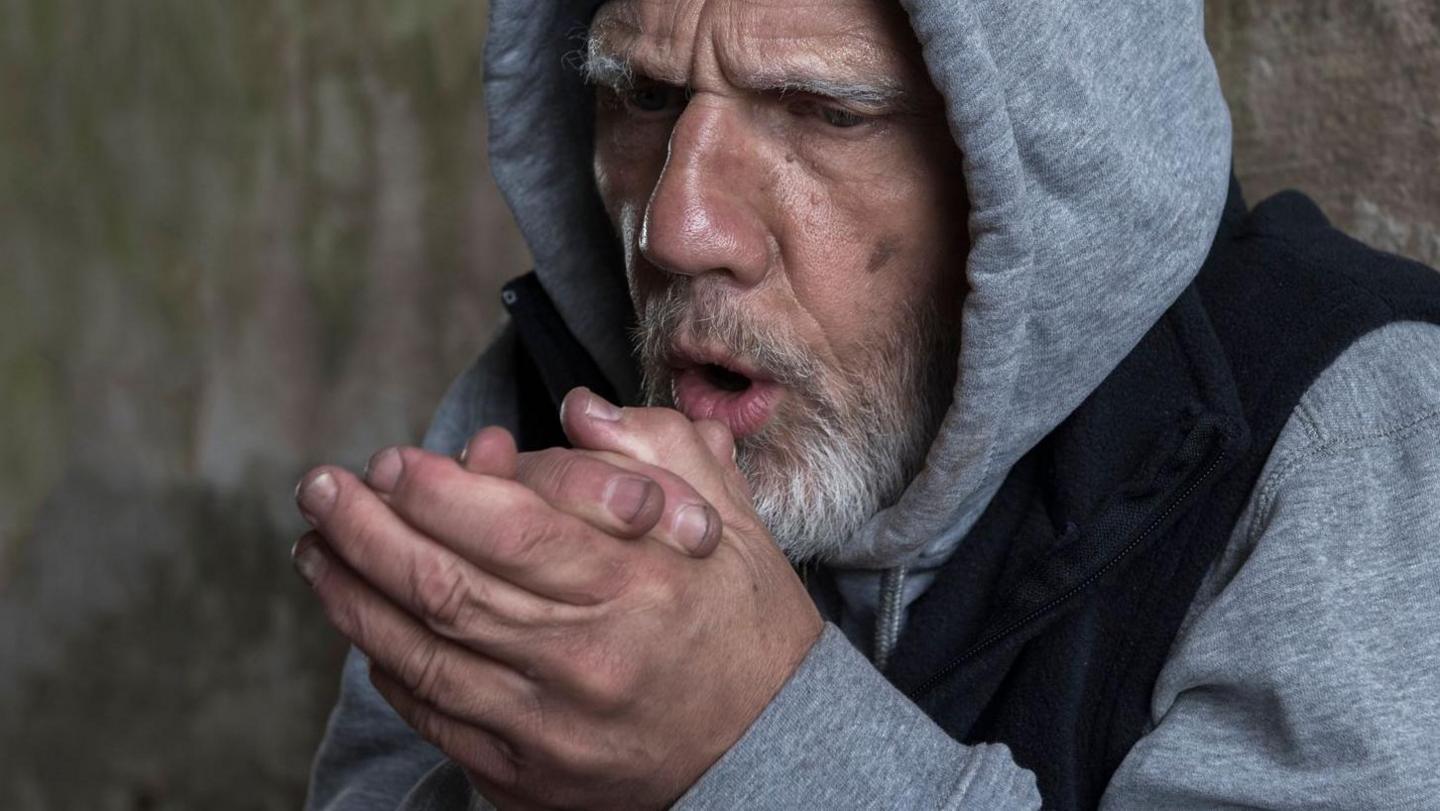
(692, 526)
(601, 409)
(308, 560)
(317, 496)
(384, 469)
(627, 496)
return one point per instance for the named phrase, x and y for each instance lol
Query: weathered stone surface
(1341, 100)
(240, 238)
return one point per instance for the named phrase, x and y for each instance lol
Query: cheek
(872, 237)
(863, 245)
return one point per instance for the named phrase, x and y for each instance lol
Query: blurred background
(238, 239)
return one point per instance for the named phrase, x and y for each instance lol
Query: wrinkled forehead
(748, 41)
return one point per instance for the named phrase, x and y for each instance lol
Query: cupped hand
(577, 628)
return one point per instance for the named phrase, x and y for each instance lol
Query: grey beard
(846, 442)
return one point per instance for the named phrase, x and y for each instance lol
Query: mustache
(711, 317)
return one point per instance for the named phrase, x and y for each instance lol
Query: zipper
(980, 647)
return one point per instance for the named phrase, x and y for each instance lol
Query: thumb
(702, 453)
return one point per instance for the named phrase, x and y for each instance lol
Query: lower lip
(743, 412)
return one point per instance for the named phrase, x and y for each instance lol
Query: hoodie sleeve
(1308, 672)
(369, 758)
(838, 735)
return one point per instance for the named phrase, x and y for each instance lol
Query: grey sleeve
(1308, 672)
(839, 736)
(369, 758)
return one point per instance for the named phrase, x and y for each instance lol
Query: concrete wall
(240, 238)
(1341, 99)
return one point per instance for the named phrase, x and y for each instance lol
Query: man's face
(792, 212)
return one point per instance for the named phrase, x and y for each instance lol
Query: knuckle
(572, 476)
(611, 579)
(662, 592)
(654, 430)
(603, 582)
(442, 591)
(653, 585)
(710, 430)
(671, 425)
(527, 535)
(714, 434)
(542, 470)
(422, 670)
(611, 684)
(348, 618)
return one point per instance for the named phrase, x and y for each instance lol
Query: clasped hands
(577, 628)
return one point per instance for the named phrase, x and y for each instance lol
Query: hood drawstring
(889, 615)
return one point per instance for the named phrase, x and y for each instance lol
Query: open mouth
(709, 388)
(725, 379)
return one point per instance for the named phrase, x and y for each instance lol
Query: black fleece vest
(1048, 630)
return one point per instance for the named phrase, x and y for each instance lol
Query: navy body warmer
(1048, 633)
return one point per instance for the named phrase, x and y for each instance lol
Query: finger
(490, 451)
(481, 753)
(609, 498)
(718, 440)
(579, 482)
(440, 672)
(723, 448)
(434, 583)
(505, 528)
(662, 437)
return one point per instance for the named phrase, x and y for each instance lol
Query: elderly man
(994, 452)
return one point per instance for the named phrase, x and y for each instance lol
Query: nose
(705, 213)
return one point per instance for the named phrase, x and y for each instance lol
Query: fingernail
(626, 497)
(384, 469)
(317, 496)
(692, 526)
(601, 409)
(308, 560)
(464, 454)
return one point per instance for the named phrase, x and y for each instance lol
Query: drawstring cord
(888, 615)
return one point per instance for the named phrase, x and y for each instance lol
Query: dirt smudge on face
(885, 250)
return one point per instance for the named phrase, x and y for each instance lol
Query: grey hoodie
(1097, 161)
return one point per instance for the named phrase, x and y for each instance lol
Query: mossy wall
(240, 238)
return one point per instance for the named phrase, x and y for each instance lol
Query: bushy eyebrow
(862, 94)
(601, 66)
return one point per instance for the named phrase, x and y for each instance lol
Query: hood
(1097, 156)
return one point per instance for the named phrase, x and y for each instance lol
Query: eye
(841, 118)
(832, 115)
(654, 98)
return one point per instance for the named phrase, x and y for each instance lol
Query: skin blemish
(790, 157)
(885, 250)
